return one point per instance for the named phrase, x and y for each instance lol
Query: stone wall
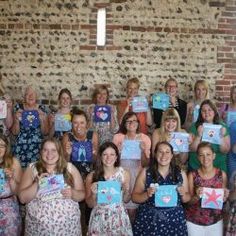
(52, 44)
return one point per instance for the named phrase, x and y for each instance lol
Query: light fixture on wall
(101, 27)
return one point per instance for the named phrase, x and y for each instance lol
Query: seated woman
(205, 221)
(108, 218)
(170, 123)
(51, 212)
(105, 129)
(157, 220)
(64, 111)
(208, 114)
(10, 174)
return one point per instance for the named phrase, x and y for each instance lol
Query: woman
(105, 128)
(205, 221)
(129, 135)
(145, 118)
(80, 140)
(108, 219)
(29, 137)
(59, 215)
(170, 123)
(155, 220)
(201, 92)
(64, 110)
(171, 88)
(10, 174)
(208, 114)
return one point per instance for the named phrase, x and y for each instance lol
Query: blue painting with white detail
(63, 122)
(139, 104)
(131, 150)
(82, 151)
(231, 117)
(211, 133)
(2, 180)
(30, 119)
(180, 141)
(166, 196)
(102, 114)
(160, 101)
(109, 192)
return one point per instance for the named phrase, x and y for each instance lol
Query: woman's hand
(67, 192)
(151, 191)
(68, 148)
(199, 192)
(94, 188)
(200, 131)
(226, 194)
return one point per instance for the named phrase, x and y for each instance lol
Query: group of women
(75, 159)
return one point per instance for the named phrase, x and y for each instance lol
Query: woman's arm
(196, 138)
(44, 125)
(114, 120)
(225, 141)
(91, 191)
(77, 191)
(51, 124)
(67, 146)
(9, 119)
(28, 186)
(126, 187)
(155, 139)
(15, 129)
(95, 145)
(189, 116)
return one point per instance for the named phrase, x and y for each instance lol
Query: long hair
(99, 170)
(154, 163)
(231, 94)
(66, 91)
(61, 166)
(204, 84)
(216, 119)
(7, 161)
(127, 115)
(97, 91)
(170, 113)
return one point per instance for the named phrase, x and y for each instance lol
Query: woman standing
(105, 128)
(127, 137)
(155, 220)
(30, 130)
(205, 221)
(108, 219)
(59, 215)
(10, 175)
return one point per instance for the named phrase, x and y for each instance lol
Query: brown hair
(231, 93)
(97, 91)
(66, 91)
(133, 81)
(7, 157)
(127, 115)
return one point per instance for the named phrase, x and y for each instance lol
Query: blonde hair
(170, 113)
(204, 84)
(97, 91)
(133, 81)
(171, 80)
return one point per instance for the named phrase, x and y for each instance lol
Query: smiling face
(200, 92)
(132, 124)
(172, 88)
(65, 100)
(132, 90)
(206, 156)
(109, 157)
(164, 155)
(50, 154)
(79, 125)
(207, 113)
(170, 125)
(102, 97)
(30, 96)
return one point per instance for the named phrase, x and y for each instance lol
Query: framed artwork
(160, 101)
(102, 114)
(30, 119)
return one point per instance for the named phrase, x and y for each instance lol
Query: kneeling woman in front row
(159, 217)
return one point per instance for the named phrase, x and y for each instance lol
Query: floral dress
(160, 221)
(28, 141)
(60, 216)
(10, 220)
(112, 219)
(104, 129)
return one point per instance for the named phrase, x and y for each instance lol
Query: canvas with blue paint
(50, 187)
(30, 119)
(160, 101)
(63, 122)
(166, 196)
(82, 151)
(196, 112)
(2, 179)
(131, 150)
(109, 192)
(180, 141)
(230, 117)
(3, 109)
(139, 104)
(212, 198)
(211, 133)
(102, 114)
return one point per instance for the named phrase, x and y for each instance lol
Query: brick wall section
(52, 44)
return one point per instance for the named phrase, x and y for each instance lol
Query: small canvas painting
(30, 119)
(109, 192)
(63, 122)
(139, 104)
(212, 198)
(82, 151)
(211, 133)
(131, 150)
(3, 109)
(196, 113)
(231, 117)
(166, 196)
(2, 179)
(160, 101)
(180, 141)
(102, 114)
(50, 187)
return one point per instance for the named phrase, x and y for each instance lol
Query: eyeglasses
(129, 122)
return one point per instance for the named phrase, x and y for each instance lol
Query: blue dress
(151, 220)
(27, 143)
